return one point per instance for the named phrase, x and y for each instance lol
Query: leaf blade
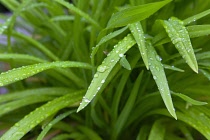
(135, 13)
(180, 38)
(23, 72)
(159, 76)
(105, 68)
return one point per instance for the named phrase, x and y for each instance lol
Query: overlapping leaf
(159, 76)
(17, 131)
(180, 38)
(105, 68)
(23, 72)
(137, 32)
(135, 13)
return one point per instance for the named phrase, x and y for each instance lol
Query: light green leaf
(105, 68)
(104, 40)
(52, 91)
(172, 68)
(124, 62)
(196, 17)
(180, 38)
(78, 11)
(159, 76)
(198, 30)
(10, 21)
(53, 122)
(22, 127)
(189, 100)
(137, 32)
(135, 13)
(23, 72)
(20, 57)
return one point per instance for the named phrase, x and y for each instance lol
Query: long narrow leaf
(105, 39)
(159, 76)
(137, 32)
(23, 72)
(157, 131)
(79, 12)
(22, 127)
(180, 38)
(53, 122)
(135, 13)
(105, 68)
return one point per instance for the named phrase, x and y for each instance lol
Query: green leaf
(124, 115)
(26, 124)
(104, 40)
(52, 91)
(20, 57)
(180, 38)
(158, 130)
(172, 68)
(8, 107)
(124, 62)
(135, 13)
(189, 100)
(196, 17)
(137, 32)
(91, 134)
(105, 68)
(198, 30)
(11, 20)
(23, 72)
(53, 122)
(205, 73)
(159, 76)
(78, 11)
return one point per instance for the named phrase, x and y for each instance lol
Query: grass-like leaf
(196, 17)
(198, 30)
(105, 68)
(180, 38)
(189, 100)
(53, 91)
(104, 40)
(122, 119)
(158, 130)
(53, 122)
(23, 72)
(159, 76)
(137, 32)
(8, 107)
(135, 13)
(79, 12)
(41, 113)
(21, 57)
(124, 62)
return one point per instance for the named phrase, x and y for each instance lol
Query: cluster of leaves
(103, 69)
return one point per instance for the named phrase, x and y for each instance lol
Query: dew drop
(103, 81)
(157, 68)
(98, 88)
(96, 75)
(154, 77)
(121, 55)
(112, 60)
(86, 100)
(101, 68)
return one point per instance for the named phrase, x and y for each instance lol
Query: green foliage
(103, 69)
